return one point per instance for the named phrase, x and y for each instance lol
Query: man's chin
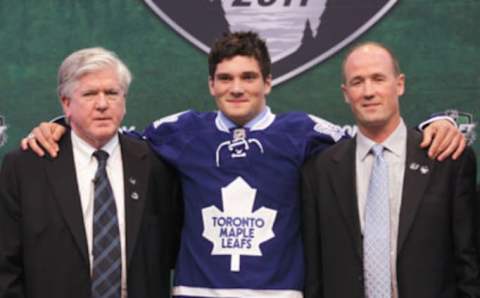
(102, 127)
(104, 134)
(238, 118)
(372, 122)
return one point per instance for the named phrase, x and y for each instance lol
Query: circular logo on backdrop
(299, 33)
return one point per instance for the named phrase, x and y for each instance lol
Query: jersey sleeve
(322, 134)
(167, 136)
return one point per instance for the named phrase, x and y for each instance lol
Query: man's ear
(268, 85)
(65, 102)
(344, 91)
(211, 82)
(401, 84)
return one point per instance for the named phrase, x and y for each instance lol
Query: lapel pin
(134, 195)
(414, 166)
(424, 169)
(132, 180)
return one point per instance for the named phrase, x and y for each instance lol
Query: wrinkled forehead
(95, 76)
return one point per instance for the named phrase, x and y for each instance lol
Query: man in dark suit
(381, 219)
(99, 220)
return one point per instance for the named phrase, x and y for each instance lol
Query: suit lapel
(345, 189)
(135, 172)
(62, 177)
(418, 169)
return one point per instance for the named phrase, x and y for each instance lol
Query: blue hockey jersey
(241, 235)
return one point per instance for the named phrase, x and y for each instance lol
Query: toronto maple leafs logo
(238, 230)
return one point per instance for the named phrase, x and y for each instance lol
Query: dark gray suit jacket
(436, 252)
(43, 248)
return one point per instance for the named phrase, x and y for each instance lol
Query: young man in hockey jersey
(240, 176)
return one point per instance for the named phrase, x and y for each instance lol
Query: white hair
(89, 60)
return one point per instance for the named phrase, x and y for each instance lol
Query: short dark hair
(240, 44)
(396, 66)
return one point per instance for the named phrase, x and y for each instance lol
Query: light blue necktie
(376, 238)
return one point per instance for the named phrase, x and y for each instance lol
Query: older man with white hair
(99, 220)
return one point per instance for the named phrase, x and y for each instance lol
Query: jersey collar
(260, 122)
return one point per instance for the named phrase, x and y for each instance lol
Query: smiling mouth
(371, 105)
(237, 100)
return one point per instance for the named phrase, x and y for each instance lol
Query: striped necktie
(106, 249)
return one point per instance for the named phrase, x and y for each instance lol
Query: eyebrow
(247, 72)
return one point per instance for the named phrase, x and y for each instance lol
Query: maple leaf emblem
(237, 230)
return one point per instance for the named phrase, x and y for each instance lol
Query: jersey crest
(238, 230)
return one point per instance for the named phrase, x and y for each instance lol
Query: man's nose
(101, 101)
(368, 90)
(237, 87)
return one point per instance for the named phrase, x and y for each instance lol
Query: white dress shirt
(85, 167)
(395, 156)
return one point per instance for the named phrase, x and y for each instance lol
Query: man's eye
(250, 76)
(224, 78)
(112, 92)
(355, 83)
(89, 93)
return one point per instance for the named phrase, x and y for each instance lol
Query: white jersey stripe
(237, 293)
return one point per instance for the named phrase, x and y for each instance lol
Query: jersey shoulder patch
(325, 127)
(169, 119)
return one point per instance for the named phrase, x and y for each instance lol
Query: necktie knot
(101, 157)
(377, 150)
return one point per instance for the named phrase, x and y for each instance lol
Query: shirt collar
(85, 150)
(261, 121)
(395, 143)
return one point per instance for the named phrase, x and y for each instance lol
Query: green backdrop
(437, 42)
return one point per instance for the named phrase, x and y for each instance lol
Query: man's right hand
(43, 138)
